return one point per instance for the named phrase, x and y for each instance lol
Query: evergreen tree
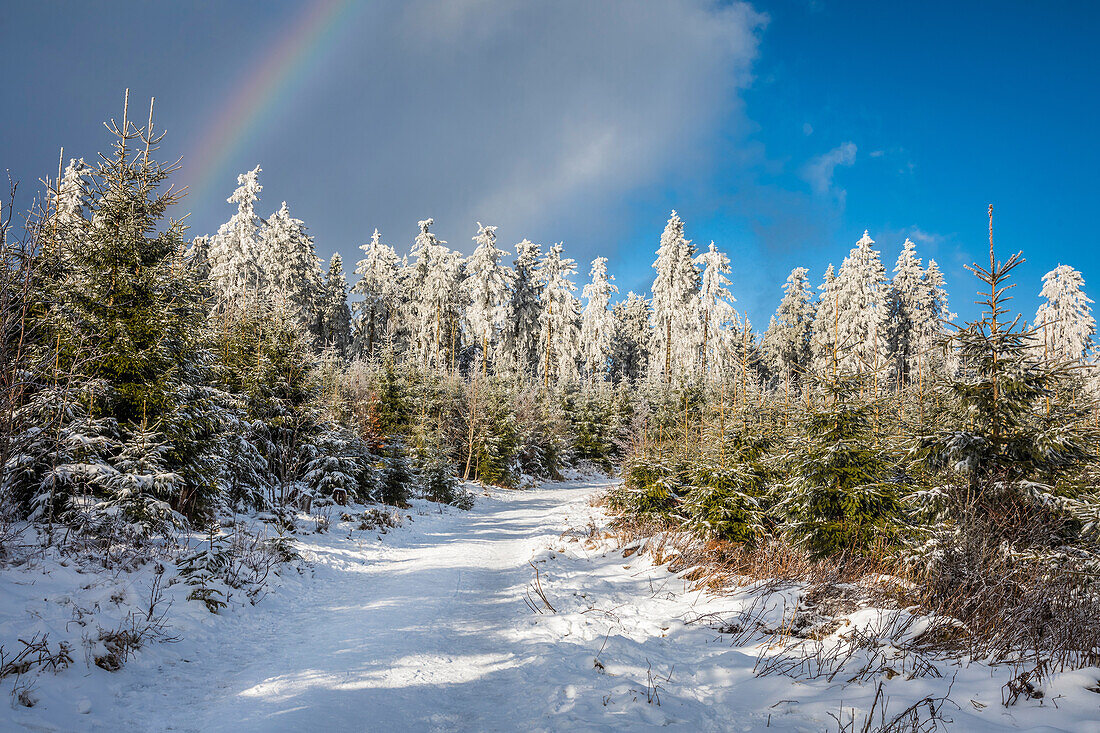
(841, 498)
(1000, 441)
(486, 293)
(905, 314)
(289, 266)
(823, 337)
(630, 344)
(143, 485)
(69, 198)
(788, 338)
(435, 290)
(234, 251)
(930, 327)
(674, 312)
(198, 258)
(336, 316)
(715, 307)
(379, 285)
(125, 327)
(522, 328)
(560, 335)
(861, 309)
(597, 321)
(1064, 320)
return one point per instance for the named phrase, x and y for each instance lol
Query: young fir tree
(630, 344)
(380, 288)
(1001, 443)
(522, 327)
(335, 466)
(485, 290)
(715, 308)
(787, 340)
(289, 266)
(841, 497)
(234, 251)
(335, 314)
(905, 315)
(397, 475)
(128, 291)
(559, 344)
(597, 321)
(56, 450)
(143, 485)
(674, 313)
(1064, 320)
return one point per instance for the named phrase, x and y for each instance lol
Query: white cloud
(537, 117)
(819, 171)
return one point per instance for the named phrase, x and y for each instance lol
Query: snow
(430, 627)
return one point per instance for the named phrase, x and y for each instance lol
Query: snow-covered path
(418, 632)
(426, 629)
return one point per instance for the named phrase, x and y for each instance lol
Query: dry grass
(982, 600)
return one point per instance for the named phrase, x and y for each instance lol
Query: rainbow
(261, 89)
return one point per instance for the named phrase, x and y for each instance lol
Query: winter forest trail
(423, 631)
(438, 626)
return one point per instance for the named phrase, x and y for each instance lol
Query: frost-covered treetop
(1065, 320)
(248, 190)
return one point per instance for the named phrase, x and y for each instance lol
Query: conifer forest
(475, 485)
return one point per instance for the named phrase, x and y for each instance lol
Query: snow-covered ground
(439, 626)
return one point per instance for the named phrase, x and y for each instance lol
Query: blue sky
(781, 129)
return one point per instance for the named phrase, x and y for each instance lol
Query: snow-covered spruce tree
(379, 285)
(1064, 321)
(335, 314)
(234, 251)
(522, 327)
(861, 309)
(841, 498)
(142, 485)
(905, 315)
(245, 475)
(68, 199)
(590, 414)
(787, 340)
(1001, 444)
(435, 292)
(1010, 542)
(485, 291)
(823, 342)
(597, 321)
(727, 492)
(674, 304)
(289, 266)
(397, 475)
(743, 360)
(56, 449)
(267, 357)
(336, 466)
(559, 342)
(491, 452)
(929, 329)
(715, 308)
(630, 344)
(129, 292)
(198, 258)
